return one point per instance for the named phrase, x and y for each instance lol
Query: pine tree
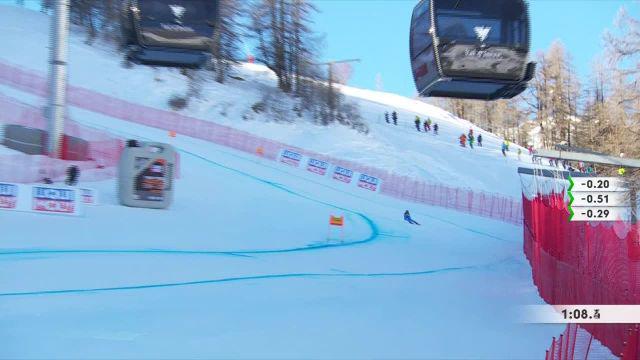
(285, 41)
(227, 36)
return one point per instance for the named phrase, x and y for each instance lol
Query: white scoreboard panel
(598, 199)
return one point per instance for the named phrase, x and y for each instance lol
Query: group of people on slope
(505, 148)
(568, 165)
(427, 125)
(470, 138)
(394, 117)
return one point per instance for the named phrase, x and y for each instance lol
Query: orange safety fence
(489, 205)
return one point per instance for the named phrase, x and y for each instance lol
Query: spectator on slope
(386, 116)
(407, 218)
(463, 140)
(394, 117)
(435, 129)
(519, 153)
(428, 124)
(480, 140)
(538, 159)
(73, 173)
(417, 121)
(505, 148)
(471, 140)
(530, 149)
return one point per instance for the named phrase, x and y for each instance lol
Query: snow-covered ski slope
(244, 265)
(398, 149)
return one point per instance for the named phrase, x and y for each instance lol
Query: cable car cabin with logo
(168, 32)
(471, 49)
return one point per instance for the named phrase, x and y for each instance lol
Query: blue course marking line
(375, 233)
(217, 147)
(341, 191)
(312, 181)
(119, 251)
(245, 278)
(247, 253)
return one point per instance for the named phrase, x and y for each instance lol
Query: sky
(377, 32)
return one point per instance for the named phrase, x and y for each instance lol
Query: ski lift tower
(563, 152)
(57, 77)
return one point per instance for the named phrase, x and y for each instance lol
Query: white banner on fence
(343, 174)
(55, 200)
(369, 182)
(43, 199)
(9, 196)
(339, 173)
(317, 166)
(290, 157)
(89, 196)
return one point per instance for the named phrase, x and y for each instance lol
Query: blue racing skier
(407, 218)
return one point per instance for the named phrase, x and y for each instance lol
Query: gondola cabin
(168, 32)
(471, 49)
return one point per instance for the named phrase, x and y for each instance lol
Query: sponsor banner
(43, 199)
(343, 174)
(89, 196)
(323, 168)
(368, 182)
(8, 196)
(290, 158)
(151, 182)
(57, 200)
(317, 166)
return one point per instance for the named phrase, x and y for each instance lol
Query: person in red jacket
(463, 140)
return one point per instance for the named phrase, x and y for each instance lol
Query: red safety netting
(103, 154)
(488, 205)
(583, 263)
(21, 168)
(104, 148)
(576, 343)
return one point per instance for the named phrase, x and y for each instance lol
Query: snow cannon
(145, 175)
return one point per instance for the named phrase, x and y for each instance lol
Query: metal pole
(331, 104)
(330, 100)
(57, 76)
(633, 199)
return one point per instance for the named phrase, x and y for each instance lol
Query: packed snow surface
(244, 263)
(399, 149)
